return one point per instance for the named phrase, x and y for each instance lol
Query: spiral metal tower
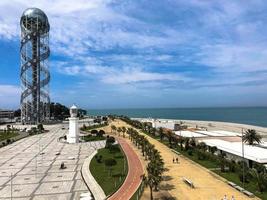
(35, 76)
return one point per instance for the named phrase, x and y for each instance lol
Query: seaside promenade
(208, 185)
(34, 163)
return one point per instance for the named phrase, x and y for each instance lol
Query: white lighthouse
(73, 136)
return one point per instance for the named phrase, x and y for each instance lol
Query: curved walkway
(135, 171)
(90, 181)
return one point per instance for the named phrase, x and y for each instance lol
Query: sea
(246, 115)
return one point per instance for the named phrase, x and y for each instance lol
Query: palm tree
(169, 135)
(123, 130)
(149, 181)
(130, 133)
(119, 130)
(252, 137)
(186, 146)
(153, 131)
(261, 179)
(192, 142)
(222, 161)
(113, 128)
(181, 141)
(161, 134)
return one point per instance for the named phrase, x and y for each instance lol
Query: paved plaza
(34, 163)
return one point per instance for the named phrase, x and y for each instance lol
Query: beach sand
(215, 125)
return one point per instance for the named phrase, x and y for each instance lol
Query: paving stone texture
(32, 167)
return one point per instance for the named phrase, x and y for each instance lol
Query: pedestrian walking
(177, 160)
(233, 198)
(173, 160)
(225, 197)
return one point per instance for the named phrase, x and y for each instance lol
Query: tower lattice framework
(34, 73)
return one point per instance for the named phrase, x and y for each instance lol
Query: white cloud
(234, 58)
(137, 75)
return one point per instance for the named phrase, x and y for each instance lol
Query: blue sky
(137, 53)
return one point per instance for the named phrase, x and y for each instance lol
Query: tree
(113, 128)
(213, 149)
(222, 161)
(101, 133)
(110, 162)
(155, 169)
(119, 130)
(181, 141)
(161, 134)
(123, 130)
(261, 179)
(169, 135)
(109, 142)
(232, 165)
(58, 111)
(149, 181)
(259, 167)
(186, 147)
(153, 131)
(251, 137)
(243, 167)
(192, 142)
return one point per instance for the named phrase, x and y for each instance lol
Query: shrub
(110, 163)
(98, 158)
(246, 172)
(232, 165)
(190, 152)
(114, 148)
(94, 132)
(40, 127)
(213, 149)
(100, 133)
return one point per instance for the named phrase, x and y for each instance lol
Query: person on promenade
(177, 160)
(173, 160)
(233, 198)
(225, 197)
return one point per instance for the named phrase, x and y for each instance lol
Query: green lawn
(251, 186)
(90, 138)
(210, 164)
(109, 183)
(7, 135)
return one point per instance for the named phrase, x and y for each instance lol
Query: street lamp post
(243, 158)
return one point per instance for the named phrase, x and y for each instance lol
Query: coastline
(256, 116)
(217, 125)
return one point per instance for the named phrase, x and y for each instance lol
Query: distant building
(6, 116)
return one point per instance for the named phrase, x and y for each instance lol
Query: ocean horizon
(244, 115)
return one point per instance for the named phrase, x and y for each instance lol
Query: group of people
(226, 198)
(175, 160)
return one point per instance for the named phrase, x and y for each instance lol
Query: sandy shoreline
(215, 125)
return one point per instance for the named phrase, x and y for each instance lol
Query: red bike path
(134, 177)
